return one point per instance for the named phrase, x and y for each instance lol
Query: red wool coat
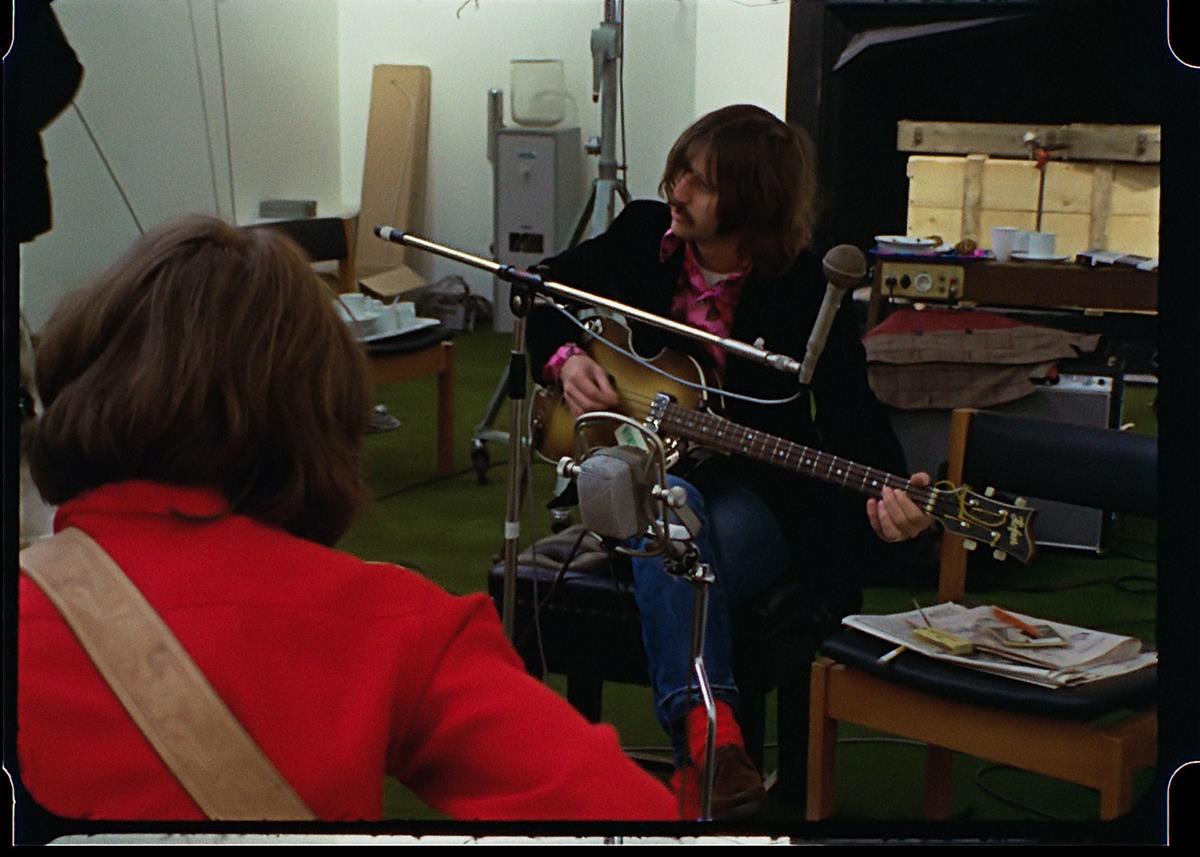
(343, 671)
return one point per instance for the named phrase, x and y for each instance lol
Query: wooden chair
(1067, 733)
(416, 355)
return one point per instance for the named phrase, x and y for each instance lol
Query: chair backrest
(323, 239)
(1082, 465)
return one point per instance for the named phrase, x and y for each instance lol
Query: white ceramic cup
(359, 311)
(406, 312)
(1041, 245)
(1022, 245)
(1004, 241)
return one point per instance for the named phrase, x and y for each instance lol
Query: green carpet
(452, 530)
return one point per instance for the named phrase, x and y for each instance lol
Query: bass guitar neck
(1002, 526)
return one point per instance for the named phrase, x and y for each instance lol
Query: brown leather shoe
(738, 786)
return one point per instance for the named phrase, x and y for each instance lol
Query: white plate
(907, 244)
(1029, 257)
(400, 329)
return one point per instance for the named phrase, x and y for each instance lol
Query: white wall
(152, 97)
(470, 54)
(742, 50)
(292, 79)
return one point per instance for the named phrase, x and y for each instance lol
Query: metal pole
(537, 285)
(517, 372)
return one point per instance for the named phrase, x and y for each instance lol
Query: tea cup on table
(1041, 245)
(1004, 242)
(406, 313)
(359, 311)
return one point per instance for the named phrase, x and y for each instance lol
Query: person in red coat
(203, 411)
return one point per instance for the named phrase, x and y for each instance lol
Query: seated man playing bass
(726, 254)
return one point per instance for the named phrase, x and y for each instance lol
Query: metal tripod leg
(480, 457)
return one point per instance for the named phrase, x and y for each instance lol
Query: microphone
(387, 233)
(614, 488)
(623, 491)
(844, 267)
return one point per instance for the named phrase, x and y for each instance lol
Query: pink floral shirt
(696, 303)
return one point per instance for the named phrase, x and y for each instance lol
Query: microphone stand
(681, 558)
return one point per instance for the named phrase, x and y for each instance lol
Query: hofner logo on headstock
(1016, 527)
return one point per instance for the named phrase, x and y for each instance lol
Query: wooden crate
(1107, 205)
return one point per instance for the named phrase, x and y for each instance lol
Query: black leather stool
(591, 633)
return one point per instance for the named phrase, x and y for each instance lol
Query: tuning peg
(970, 544)
(989, 492)
(999, 555)
(1020, 502)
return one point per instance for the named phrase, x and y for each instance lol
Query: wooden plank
(1102, 185)
(935, 181)
(1069, 188)
(1136, 143)
(1072, 230)
(927, 222)
(1136, 190)
(1010, 185)
(394, 166)
(972, 193)
(1134, 233)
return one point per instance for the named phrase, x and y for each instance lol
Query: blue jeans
(743, 543)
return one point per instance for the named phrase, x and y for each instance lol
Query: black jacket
(838, 413)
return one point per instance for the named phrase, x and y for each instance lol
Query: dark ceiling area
(1093, 61)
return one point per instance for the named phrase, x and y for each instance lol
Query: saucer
(399, 329)
(1029, 257)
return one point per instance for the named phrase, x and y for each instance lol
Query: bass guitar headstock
(985, 519)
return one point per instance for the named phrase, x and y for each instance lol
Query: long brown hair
(766, 185)
(210, 356)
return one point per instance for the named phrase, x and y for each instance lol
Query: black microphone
(387, 233)
(844, 267)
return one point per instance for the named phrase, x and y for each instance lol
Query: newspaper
(1084, 655)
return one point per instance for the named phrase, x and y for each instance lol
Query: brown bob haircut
(206, 356)
(766, 185)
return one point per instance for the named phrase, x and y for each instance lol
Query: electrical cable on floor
(1121, 581)
(404, 489)
(995, 795)
(1132, 557)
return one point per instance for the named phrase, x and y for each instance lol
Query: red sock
(728, 731)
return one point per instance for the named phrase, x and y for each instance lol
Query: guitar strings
(922, 495)
(642, 361)
(938, 501)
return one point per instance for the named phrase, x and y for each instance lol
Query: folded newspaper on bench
(1088, 655)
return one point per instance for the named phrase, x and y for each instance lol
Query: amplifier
(1091, 400)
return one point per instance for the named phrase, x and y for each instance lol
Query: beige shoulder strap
(161, 687)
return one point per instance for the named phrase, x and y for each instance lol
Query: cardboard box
(391, 283)
(394, 172)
